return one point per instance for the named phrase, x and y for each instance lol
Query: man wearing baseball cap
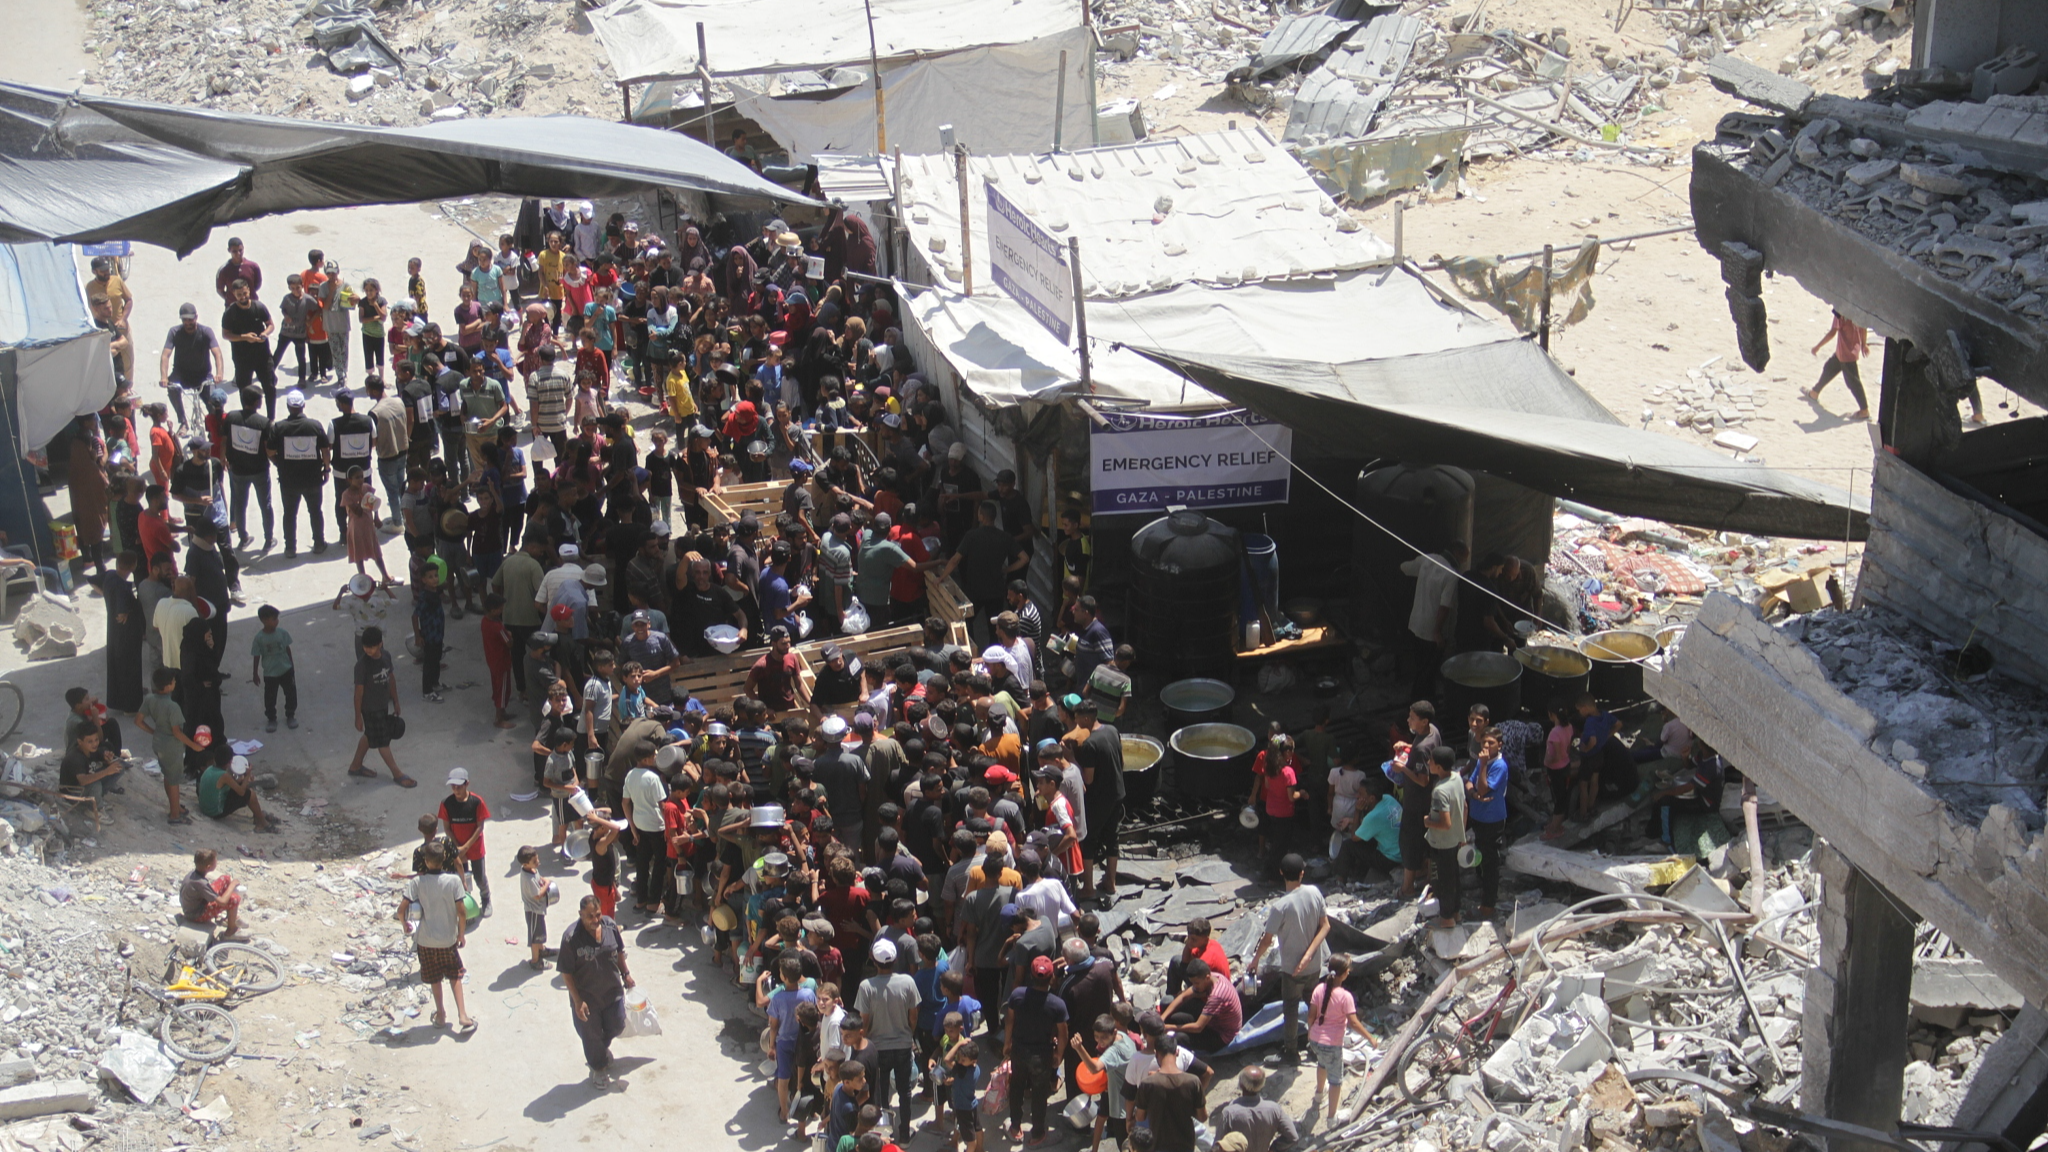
(224, 791)
(1034, 1035)
(844, 777)
(888, 1002)
(300, 446)
(463, 814)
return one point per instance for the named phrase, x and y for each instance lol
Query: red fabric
(497, 644)
(906, 584)
(673, 810)
(1211, 954)
(461, 830)
(1678, 577)
(607, 898)
(156, 536)
(1276, 785)
(163, 453)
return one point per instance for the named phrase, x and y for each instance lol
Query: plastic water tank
(1426, 504)
(1184, 582)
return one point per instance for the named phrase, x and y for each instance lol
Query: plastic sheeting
(657, 39)
(62, 367)
(1223, 208)
(998, 99)
(1007, 358)
(168, 175)
(1507, 408)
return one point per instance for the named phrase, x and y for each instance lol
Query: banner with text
(1030, 266)
(1144, 463)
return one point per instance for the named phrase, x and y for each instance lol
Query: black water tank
(1184, 573)
(1425, 504)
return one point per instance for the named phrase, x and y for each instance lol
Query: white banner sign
(1030, 266)
(1144, 463)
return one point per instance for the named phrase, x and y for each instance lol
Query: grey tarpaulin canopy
(92, 168)
(1508, 408)
(54, 366)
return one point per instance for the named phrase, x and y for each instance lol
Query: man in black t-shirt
(377, 709)
(249, 466)
(299, 445)
(247, 326)
(355, 439)
(984, 559)
(702, 603)
(191, 359)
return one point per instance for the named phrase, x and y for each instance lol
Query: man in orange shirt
(1852, 340)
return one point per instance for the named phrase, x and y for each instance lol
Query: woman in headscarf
(847, 243)
(796, 315)
(690, 247)
(125, 631)
(814, 364)
(831, 310)
(87, 462)
(534, 334)
(737, 273)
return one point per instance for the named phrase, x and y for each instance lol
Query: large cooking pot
(1490, 678)
(1553, 673)
(1196, 701)
(1617, 679)
(1142, 765)
(1213, 760)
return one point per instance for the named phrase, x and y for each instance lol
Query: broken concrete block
(46, 1097)
(14, 1072)
(1752, 327)
(1864, 148)
(1870, 172)
(360, 87)
(1676, 1114)
(1735, 441)
(1928, 178)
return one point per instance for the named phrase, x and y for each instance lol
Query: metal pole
(875, 66)
(1543, 331)
(1080, 311)
(902, 257)
(966, 229)
(1059, 103)
(704, 75)
(1399, 211)
(625, 102)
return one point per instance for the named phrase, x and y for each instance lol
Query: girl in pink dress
(360, 505)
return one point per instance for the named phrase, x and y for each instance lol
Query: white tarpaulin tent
(1007, 358)
(1223, 209)
(998, 99)
(657, 39)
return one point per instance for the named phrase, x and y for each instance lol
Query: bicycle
(1433, 1059)
(13, 706)
(195, 1025)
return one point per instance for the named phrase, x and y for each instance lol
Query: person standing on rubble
(1261, 1122)
(1298, 923)
(1409, 772)
(1444, 831)
(1852, 343)
(1486, 791)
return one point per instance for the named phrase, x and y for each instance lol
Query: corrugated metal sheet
(1340, 99)
(1296, 38)
(843, 176)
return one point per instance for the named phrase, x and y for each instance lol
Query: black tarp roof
(1486, 407)
(90, 168)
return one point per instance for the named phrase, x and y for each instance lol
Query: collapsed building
(1907, 730)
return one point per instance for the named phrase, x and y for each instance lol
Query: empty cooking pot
(1196, 701)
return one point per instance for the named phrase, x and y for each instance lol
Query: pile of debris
(1946, 717)
(388, 63)
(1939, 205)
(1607, 570)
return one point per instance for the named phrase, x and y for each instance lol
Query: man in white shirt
(1430, 617)
(644, 792)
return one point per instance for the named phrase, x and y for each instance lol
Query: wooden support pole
(704, 77)
(625, 102)
(966, 226)
(875, 68)
(1543, 329)
(1080, 312)
(1059, 103)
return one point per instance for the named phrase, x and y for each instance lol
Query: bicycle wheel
(203, 1032)
(247, 970)
(1432, 1060)
(12, 707)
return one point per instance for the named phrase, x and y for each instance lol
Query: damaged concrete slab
(1977, 871)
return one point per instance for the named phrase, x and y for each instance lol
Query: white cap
(458, 776)
(239, 766)
(883, 952)
(295, 399)
(566, 551)
(956, 451)
(833, 728)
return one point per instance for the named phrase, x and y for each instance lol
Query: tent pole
(1059, 102)
(1399, 209)
(625, 102)
(1544, 327)
(900, 256)
(966, 230)
(1080, 312)
(704, 75)
(875, 66)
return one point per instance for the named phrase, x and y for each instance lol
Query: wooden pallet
(715, 680)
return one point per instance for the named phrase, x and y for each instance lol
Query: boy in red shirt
(463, 813)
(498, 658)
